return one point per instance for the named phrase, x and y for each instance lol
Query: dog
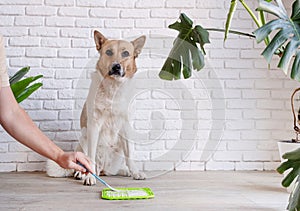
(103, 118)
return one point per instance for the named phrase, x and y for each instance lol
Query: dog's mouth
(116, 70)
(118, 74)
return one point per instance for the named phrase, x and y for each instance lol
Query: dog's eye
(125, 54)
(109, 52)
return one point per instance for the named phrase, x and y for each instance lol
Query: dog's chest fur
(109, 112)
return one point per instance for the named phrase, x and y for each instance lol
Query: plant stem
(262, 17)
(254, 18)
(295, 29)
(258, 23)
(263, 22)
(232, 32)
(232, 9)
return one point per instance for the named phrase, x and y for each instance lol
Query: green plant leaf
(293, 164)
(28, 91)
(201, 36)
(295, 73)
(287, 38)
(296, 11)
(291, 49)
(18, 75)
(279, 39)
(294, 200)
(292, 161)
(21, 88)
(293, 155)
(268, 7)
(187, 52)
(262, 32)
(286, 182)
(18, 87)
(284, 166)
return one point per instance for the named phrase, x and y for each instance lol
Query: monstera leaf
(293, 163)
(187, 52)
(287, 36)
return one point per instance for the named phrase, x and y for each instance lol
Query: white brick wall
(228, 116)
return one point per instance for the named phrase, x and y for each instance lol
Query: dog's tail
(54, 170)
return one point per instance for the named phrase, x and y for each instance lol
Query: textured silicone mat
(127, 194)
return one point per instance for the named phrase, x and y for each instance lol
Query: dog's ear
(99, 40)
(138, 44)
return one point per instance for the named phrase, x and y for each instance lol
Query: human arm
(20, 126)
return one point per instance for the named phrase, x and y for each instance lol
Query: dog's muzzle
(116, 70)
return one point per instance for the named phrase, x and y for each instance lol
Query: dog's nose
(116, 69)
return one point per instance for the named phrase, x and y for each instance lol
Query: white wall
(229, 116)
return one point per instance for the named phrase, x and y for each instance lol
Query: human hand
(69, 160)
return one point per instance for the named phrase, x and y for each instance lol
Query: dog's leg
(81, 147)
(93, 129)
(78, 175)
(124, 172)
(128, 152)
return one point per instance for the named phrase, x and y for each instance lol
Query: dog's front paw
(139, 176)
(89, 180)
(124, 173)
(79, 175)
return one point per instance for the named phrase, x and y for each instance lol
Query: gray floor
(212, 190)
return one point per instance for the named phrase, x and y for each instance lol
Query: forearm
(19, 125)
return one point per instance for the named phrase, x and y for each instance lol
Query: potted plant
(188, 53)
(290, 145)
(22, 89)
(291, 167)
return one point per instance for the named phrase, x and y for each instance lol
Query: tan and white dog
(103, 119)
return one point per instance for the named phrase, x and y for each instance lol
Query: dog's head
(117, 57)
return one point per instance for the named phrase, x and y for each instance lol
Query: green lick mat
(127, 194)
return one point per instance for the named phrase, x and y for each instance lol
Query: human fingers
(85, 161)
